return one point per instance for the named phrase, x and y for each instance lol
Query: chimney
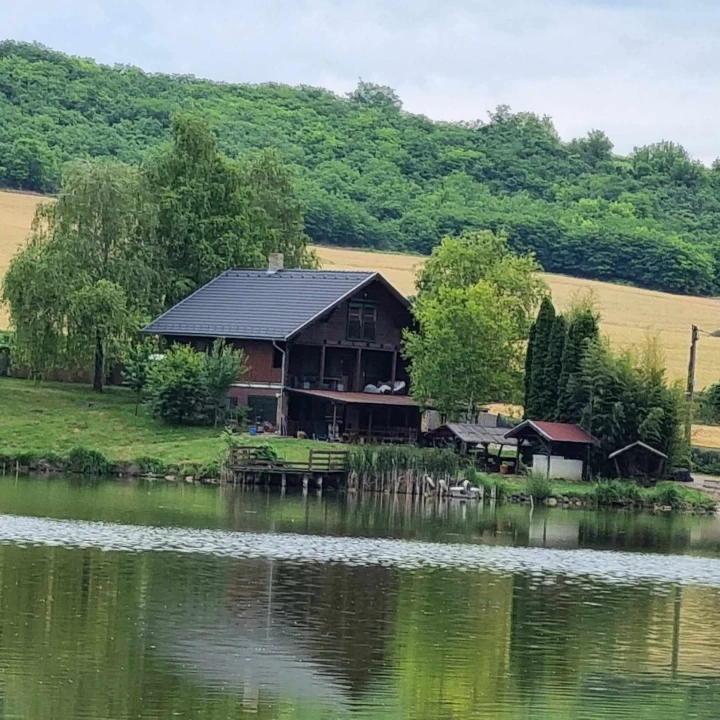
(275, 263)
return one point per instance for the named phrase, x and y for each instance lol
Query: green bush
(210, 470)
(190, 387)
(266, 452)
(667, 493)
(177, 386)
(616, 492)
(539, 486)
(88, 462)
(706, 461)
(150, 466)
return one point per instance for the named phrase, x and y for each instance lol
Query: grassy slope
(627, 312)
(57, 417)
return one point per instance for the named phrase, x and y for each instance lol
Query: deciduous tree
(474, 307)
(88, 275)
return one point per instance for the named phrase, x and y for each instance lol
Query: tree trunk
(98, 375)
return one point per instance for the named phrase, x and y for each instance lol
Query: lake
(138, 600)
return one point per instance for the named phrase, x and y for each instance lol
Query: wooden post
(358, 371)
(322, 364)
(549, 455)
(369, 423)
(690, 391)
(393, 372)
(333, 437)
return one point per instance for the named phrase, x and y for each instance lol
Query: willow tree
(85, 281)
(474, 308)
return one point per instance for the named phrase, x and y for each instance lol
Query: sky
(640, 70)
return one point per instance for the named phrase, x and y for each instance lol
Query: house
(323, 348)
(559, 450)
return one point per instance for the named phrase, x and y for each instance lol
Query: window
(263, 408)
(277, 358)
(362, 318)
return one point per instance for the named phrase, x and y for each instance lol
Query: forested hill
(374, 176)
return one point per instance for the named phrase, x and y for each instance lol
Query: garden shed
(560, 450)
(473, 438)
(639, 461)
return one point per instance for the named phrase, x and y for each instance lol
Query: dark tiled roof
(554, 431)
(255, 304)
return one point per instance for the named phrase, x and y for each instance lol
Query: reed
(401, 468)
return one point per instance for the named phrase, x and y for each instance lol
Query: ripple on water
(611, 567)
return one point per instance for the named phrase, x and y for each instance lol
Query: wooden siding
(392, 317)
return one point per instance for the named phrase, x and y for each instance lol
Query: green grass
(46, 418)
(615, 492)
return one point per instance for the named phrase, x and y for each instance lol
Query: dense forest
(371, 175)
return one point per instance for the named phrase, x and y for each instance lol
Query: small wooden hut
(560, 450)
(639, 461)
(475, 439)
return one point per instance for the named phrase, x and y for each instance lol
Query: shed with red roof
(564, 448)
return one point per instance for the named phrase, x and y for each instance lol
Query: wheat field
(628, 314)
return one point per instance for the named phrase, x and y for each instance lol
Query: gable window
(362, 319)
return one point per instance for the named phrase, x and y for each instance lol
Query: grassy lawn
(57, 417)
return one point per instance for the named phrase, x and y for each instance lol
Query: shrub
(190, 387)
(137, 363)
(266, 452)
(88, 462)
(539, 486)
(666, 493)
(150, 466)
(706, 461)
(616, 492)
(223, 367)
(210, 470)
(177, 386)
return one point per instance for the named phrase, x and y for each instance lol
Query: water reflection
(96, 623)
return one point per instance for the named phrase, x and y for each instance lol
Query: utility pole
(690, 392)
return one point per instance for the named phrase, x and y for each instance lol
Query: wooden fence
(251, 459)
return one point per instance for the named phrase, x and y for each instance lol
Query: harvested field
(16, 214)
(627, 313)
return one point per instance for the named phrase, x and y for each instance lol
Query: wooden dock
(250, 465)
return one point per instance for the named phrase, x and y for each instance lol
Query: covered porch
(353, 417)
(343, 367)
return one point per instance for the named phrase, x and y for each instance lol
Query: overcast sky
(641, 70)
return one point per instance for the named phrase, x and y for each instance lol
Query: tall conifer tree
(543, 329)
(582, 330)
(553, 370)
